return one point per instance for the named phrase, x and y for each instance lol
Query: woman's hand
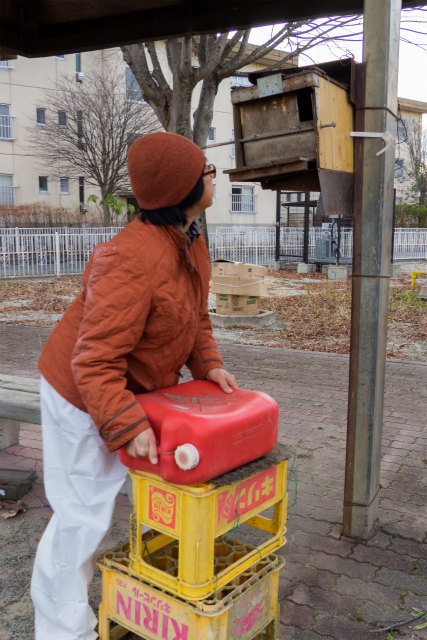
(224, 379)
(143, 446)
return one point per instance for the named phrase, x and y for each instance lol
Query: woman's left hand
(222, 378)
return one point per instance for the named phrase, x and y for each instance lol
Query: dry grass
(317, 320)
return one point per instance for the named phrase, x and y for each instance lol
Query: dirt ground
(312, 313)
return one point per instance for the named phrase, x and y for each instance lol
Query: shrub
(39, 215)
(410, 215)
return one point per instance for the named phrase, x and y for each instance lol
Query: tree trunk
(106, 211)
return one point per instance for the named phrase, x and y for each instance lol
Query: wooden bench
(19, 402)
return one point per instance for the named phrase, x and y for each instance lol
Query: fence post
(17, 243)
(57, 255)
(256, 247)
(306, 226)
(278, 211)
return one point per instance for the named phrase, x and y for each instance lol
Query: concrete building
(24, 179)
(411, 113)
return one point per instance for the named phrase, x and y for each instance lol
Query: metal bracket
(388, 138)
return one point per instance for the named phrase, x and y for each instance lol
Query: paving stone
(411, 547)
(372, 613)
(319, 577)
(340, 628)
(323, 543)
(379, 539)
(290, 633)
(324, 600)
(405, 581)
(374, 592)
(295, 615)
(382, 558)
(343, 567)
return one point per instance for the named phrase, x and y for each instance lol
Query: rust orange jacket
(142, 315)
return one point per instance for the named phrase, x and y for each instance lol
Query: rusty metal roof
(45, 27)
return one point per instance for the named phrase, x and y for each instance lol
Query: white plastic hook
(388, 138)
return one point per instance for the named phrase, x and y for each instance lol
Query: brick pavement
(331, 587)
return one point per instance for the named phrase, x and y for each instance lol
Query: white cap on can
(186, 456)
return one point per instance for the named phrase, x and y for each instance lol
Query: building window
(131, 137)
(6, 122)
(133, 90)
(6, 64)
(401, 131)
(212, 134)
(79, 122)
(399, 168)
(78, 62)
(64, 186)
(40, 115)
(242, 199)
(62, 119)
(7, 190)
(43, 184)
(81, 192)
(60, 57)
(240, 81)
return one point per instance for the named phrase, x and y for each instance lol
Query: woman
(142, 315)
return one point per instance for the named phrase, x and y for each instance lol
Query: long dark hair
(174, 215)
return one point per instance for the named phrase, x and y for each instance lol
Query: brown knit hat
(163, 169)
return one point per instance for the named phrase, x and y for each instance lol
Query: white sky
(412, 59)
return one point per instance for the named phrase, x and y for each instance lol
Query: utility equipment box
(292, 132)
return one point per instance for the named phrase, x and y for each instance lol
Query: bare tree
(168, 85)
(90, 134)
(416, 171)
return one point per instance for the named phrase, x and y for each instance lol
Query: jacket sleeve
(117, 302)
(205, 355)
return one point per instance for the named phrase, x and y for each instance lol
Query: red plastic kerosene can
(203, 432)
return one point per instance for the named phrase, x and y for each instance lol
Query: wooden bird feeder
(292, 131)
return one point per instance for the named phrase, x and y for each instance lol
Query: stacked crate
(188, 578)
(238, 287)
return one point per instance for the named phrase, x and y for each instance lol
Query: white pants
(82, 479)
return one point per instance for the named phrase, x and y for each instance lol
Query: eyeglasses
(210, 170)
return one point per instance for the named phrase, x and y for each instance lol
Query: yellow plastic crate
(195, 516)
(246, 609)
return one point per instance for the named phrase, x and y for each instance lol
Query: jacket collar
(183, 241)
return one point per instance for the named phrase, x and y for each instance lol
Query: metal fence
(65, 251)
(43, 252)
(257, 245)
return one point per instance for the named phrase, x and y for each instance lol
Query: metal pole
(278, 204)
(393, 227)
(306, 225)
(373, 207)
(57, 255)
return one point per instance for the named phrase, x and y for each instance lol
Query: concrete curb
(263, 319)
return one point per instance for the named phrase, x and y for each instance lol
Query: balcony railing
(7, 128)
(9, 195)
(242, 203)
